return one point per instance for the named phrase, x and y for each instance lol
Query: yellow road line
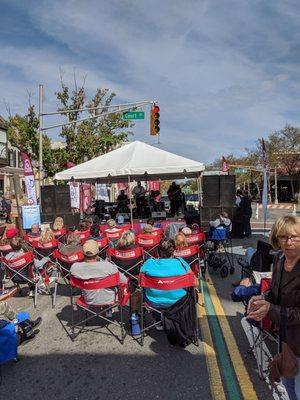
(215, 379)
(242, 375)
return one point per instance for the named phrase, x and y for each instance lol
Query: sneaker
(108, 314)
(36, 322)
(31, 293)
(159, 327)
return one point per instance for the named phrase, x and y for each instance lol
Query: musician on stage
(139, 195)
(175, 197)
(122, 202)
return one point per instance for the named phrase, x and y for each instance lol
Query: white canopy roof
(136, 160)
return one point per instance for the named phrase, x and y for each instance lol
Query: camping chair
(187, 281)
(60, 234)
(29, 240)
(260, 332)
(222, 245)
(84, 235)
(45, 249)
(111, 282)
(150, 243)
(5, 249)
(20, 270)
(128, 261)
(65, 262)
(113, 235)
(195, 238)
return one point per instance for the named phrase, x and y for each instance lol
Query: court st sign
(133, 115)
(240, 170)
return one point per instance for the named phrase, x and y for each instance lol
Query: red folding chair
(60, 234)
(5, 249)
(65, 262)
(45, 249)
(149, 243)
(113, 234)
(97, 310)
(187, 281)
(157, 232)
(128, 261)
(84, 235)
(125, 227)
(29, 240)
(20, 270)
(191, 256)
(195, 238)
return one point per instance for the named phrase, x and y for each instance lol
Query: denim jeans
(292, 386)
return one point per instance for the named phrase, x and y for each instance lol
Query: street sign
(133, 115)
(240, 170)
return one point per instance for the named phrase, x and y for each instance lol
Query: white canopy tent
(134, 161)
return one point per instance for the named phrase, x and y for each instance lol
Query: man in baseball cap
(94, 267)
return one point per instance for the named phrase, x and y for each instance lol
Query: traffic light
(154, 120)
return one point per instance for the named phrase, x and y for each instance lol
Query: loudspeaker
(227, 190)
(211, 190)
(48, 199)
(62, 199)
(56, 199)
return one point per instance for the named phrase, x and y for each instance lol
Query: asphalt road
(96, 366)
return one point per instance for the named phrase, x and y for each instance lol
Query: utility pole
(276, 188)
(41, 100)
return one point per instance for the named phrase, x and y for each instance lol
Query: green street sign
(133, 115)
(240, 170)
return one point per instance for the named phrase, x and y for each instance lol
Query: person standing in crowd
(246, 208)
(6, 207)
(174, 194)
(282, 302)
(238, 197)
(139, 195)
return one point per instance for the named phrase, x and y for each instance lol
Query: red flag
(224, 165)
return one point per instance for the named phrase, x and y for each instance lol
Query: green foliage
(88, 139)
(23, 134)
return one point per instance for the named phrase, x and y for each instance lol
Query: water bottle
(135, 326)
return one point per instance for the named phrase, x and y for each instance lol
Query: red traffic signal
(154, 120)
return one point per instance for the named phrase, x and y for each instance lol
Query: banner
(101, 192)
(75, 194)
(265, 178)
(153, 185)
(29, 179)
(86, 196)
(224, 165)
(31, 215)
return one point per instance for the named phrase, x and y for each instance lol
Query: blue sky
(223, 72)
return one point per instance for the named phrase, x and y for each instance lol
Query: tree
(91, 138)
(23, 134)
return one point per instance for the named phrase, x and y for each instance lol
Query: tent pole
(199, 187)
(130, 202)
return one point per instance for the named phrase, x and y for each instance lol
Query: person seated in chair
(126, 241)
(26, 329)
(164, 267)
(94, 267)
(95, 232)
(221, 220)
(180, 241)
(72, 246)
(58, 224)
(34, 231)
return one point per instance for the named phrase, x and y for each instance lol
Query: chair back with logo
(113, 234)
(195, 238)
(30, 239)
(124, 227)
(96, 283)
(128, 261)
(84, 235)
(191, 256)
(20, 269)
(65, 261)
(5, 249)
(45, 249)
(60, 234)
(169, 283)
(149, 243)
